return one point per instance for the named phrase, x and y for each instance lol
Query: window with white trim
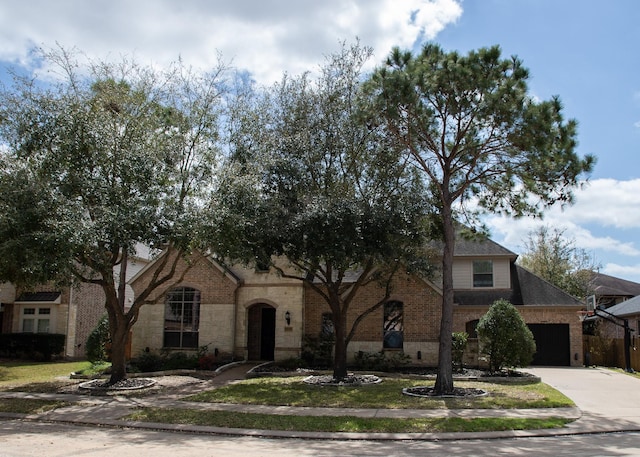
(182, 318)
(482, 273)
(36, 319)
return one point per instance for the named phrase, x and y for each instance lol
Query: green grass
(388, 394)
(37, 377)
(29, 406)
(338, 424)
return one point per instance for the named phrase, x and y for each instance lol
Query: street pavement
(606, 402)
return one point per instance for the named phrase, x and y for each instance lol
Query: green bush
(380, 361)
(37, 346)
(97, 342)
(148, 362)
(458, 345)
(317, 351)
(504, 337)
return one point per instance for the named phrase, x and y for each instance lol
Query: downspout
(70, 347)
(234, 330)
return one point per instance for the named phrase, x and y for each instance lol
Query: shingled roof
(527, 289)
(480, 246)
(626, 308)
(32, 297)
(605, 285)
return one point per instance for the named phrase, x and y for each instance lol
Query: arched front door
(261, 335)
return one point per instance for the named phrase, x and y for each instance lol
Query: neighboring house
(613, 327)
(610, 290)
(72, 311)
(258, 315)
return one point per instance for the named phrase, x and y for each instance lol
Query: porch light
(287, 317)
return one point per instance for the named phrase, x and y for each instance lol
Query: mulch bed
(458, 392)
(125, 384)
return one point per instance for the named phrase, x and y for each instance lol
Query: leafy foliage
(458, 345)
(504, 337)
(469, 125)
(97, 341)
(32, 345)
(97, 162)
(321, 188)
(552, 256)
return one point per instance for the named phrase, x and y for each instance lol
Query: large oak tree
(478, 136)
(323, 190)
(99, 159)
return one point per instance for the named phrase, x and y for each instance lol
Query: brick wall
(421, 320)
(531, 315)
(217, 298)
(85, 310)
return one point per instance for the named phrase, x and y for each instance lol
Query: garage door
(552, 344)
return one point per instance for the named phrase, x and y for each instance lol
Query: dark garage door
(552, 344)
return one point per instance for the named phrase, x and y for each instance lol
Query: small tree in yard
(505, 338)
(458, 345)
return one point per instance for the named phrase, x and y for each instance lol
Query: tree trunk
(444, 378)
(119, 340)
(119, 325)
(340, 357)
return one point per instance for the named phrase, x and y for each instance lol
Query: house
(72, 311)
(611, 322)
(609, 290)
(249, 313)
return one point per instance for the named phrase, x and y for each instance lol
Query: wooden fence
(609, 352)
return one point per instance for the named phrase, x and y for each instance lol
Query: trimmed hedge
(31, 345)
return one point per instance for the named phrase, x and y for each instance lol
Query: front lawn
(36, 376)
(351, 424)
(29, 406)
(388, 394)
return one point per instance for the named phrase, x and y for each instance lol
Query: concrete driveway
(609, 401)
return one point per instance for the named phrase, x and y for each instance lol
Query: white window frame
(479, 268)
(37, 314)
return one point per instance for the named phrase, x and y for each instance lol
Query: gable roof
(604, 285)
(227, 272)
(480, 246)
(527, 289)
(626, 308)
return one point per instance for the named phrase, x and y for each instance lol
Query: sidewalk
(108, 411)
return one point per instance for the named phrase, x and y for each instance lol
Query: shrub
(147, 362)
(458, 345)
(504, 337)
(98, 341)
(207, 362)
(150, 361)
(317, 351)
(32, 345)
(380, 361)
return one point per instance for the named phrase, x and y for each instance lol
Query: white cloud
(265, 37)
(629, 272)
(609, 202)
(604, 222)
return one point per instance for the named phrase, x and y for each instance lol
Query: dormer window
(482, 273)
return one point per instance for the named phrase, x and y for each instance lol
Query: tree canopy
(327, 192)
(481, 141)
(556, 258)
(98, 161)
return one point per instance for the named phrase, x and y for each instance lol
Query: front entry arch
(261, 332)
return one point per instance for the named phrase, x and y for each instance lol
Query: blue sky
(585, 51)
